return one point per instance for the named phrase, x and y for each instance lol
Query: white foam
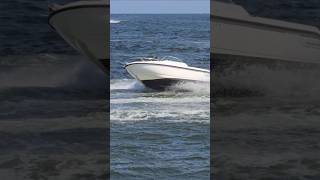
(171, 115)
(197, 88)
(279, 82)
(113, 21)
(173, 105)
(125, 84)
(162, 100)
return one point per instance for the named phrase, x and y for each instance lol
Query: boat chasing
(162, 73)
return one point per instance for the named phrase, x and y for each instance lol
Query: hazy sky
(159, 6)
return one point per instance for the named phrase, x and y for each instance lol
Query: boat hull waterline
(162, 76)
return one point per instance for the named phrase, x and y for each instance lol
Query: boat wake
(125, 84)
(131, 101)
(197, 88)
(50, 76)
(112, 21)
(258, 80)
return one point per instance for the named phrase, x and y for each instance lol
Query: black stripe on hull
(105, 65)
(160, 84)
(163, 84)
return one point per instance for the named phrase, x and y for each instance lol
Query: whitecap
(112, 21)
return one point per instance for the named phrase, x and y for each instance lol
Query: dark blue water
(184, 36)
(53, 100)
(154, 135)
(266, 118)
(159, 135)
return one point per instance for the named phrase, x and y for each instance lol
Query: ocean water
(53, 104)
(53, 101)
(266, 118)
(159, 135)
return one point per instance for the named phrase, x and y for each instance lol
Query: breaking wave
(180, 115)
(131, 101)
(257, 80)
(113, 21)
(125, 84)
(51, 75)
(200, 88)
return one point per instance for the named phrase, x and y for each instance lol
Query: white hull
(157, 75)
(85, 26)
(237, 33)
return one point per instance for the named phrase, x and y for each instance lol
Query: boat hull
(85, 26)
(236, 33)
(161, 77)
(162, 84)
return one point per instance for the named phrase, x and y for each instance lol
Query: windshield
(145, 58)
(171, 58)
(165, 58)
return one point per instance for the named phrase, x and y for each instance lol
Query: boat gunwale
(315, 33)
(73, 7)
(187, 67)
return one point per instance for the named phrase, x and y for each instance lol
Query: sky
(160, 6)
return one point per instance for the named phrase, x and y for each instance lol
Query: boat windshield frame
(165, 58)
(145, 58)
(171, 58)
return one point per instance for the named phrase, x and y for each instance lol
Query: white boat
(85, 26)
(240, 36)
(162, 73)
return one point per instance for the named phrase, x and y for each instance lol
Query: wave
(125, 84)
(173, 115)
(131, 101)
(162, 98)
(112, 21)
(196, 88)
(61, 76)
(259, 80)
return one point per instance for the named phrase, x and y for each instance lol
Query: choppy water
(266, 118)
(52, 104)
(53, 101)
(159, 135)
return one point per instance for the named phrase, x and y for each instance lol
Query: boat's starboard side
(84, 25)
(237, 33)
